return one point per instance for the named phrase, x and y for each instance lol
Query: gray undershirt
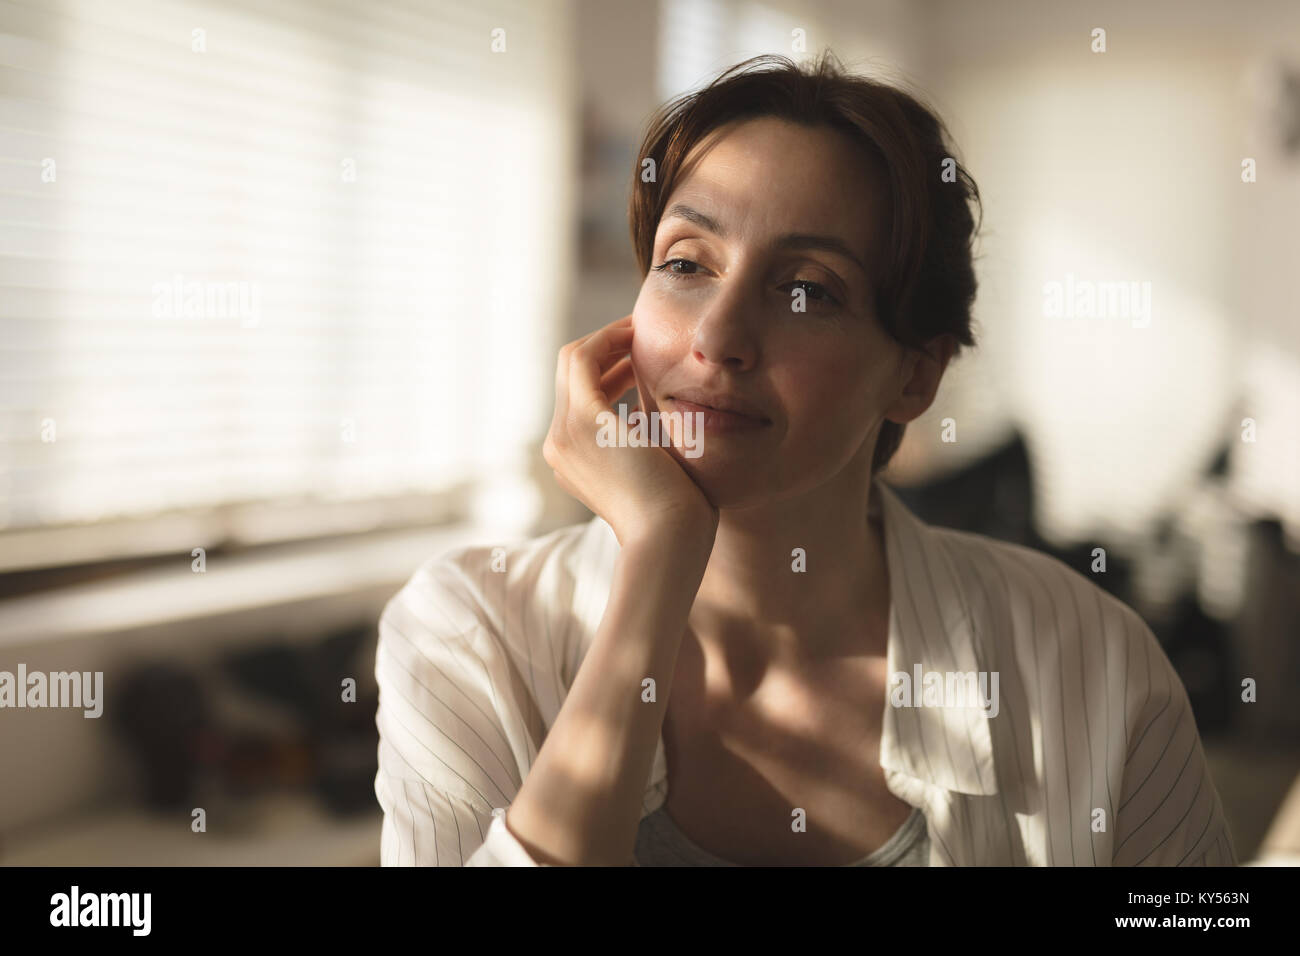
(660, 843)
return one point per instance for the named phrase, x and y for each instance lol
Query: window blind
(700, 38)
(272, 269)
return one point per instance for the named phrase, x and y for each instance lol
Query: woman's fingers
(611, 359)
(585, 364)
(620, 337)
(618, 379)
(605, 341)
(622, 327)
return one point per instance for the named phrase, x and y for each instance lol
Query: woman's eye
(812, 290)
(815, 291)
(664, 267)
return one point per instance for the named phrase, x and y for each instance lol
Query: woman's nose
(724, 334)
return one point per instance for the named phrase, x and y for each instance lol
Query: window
(274, 269)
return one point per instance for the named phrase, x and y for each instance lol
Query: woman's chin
(726, 485)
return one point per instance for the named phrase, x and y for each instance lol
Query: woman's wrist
(683, 534)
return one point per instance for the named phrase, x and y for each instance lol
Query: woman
(750, 656)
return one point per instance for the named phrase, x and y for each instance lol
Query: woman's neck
(806, 577)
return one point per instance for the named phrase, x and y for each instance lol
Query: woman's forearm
(580, 804)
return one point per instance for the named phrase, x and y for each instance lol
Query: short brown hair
(928, 285)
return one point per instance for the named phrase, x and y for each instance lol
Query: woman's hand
(638, 491)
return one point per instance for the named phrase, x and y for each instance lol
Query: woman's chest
(788, 775)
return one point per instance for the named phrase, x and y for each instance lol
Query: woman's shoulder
(1018, 590)
(1067, 650)
(495, 629)
(484, 583)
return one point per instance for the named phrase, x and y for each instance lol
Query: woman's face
(766, 207)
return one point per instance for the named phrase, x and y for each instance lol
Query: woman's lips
(718, 421)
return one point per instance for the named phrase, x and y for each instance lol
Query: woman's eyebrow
(825, 243)
(792, 241)
(679, 210)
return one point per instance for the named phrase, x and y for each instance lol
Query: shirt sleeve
(454, 722)
(418, 816)
(1170, 813)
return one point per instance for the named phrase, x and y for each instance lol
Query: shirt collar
(930, 626)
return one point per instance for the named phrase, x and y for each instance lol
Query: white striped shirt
(1093, 758)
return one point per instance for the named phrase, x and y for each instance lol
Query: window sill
(280, 577)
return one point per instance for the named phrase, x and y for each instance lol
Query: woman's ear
(941, 349)
(922, 371)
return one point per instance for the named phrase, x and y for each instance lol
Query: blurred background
(282, 283)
